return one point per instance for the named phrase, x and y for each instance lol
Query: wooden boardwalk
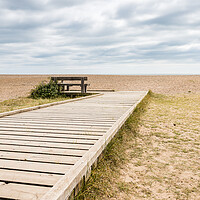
(45, 153)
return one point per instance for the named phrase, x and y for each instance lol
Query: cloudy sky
(100, 36)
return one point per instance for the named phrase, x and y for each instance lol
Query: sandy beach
(13, 86)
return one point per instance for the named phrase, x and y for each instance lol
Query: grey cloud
(22, 4)
(15, 36)
(24, 26)
(46, 55)
(76, 28)
(172, 55)
(66, 3)
(176, 19)
(97, 42)
(126, 11)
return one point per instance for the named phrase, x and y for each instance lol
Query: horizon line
(184, 74)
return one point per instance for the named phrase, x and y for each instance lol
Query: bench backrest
(68, 78)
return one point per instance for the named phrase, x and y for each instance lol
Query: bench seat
(72, 84)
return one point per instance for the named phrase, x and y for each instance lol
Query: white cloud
(99, 36)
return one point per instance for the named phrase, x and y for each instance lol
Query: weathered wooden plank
(75, 119)
(72, 119)
(57, 126)
(51, 135)
(34, 166)
(45, 144)
(76, 114)
(45, 139)
(106, 117)
(31, 122)
(71, 132)
(16, 176)
(70, 160)
(50, 128)
(43, 150)
(22, 191)
(105, 113)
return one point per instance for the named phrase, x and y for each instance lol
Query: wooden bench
(63, 86)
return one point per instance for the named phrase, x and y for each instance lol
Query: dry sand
(13, 86)
(164, 160)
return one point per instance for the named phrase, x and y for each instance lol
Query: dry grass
(25, 102)
(155, 155)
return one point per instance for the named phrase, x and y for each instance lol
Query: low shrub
(44, 90)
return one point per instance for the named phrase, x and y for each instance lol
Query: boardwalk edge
(68, 186)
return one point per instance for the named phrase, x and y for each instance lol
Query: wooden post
(82, 85)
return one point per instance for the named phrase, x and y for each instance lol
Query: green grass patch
(45, 90)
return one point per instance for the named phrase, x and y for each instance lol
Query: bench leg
(82, 85)
(67, 87)
(82, 89)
